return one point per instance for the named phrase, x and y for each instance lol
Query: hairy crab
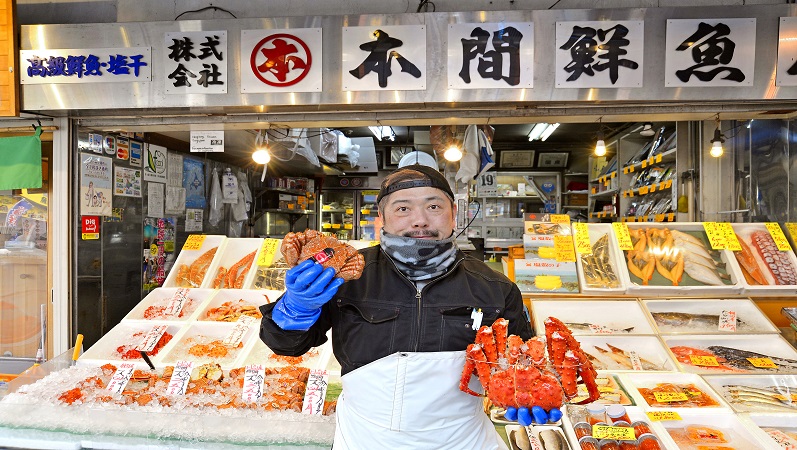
(326, 250)
(517, 374)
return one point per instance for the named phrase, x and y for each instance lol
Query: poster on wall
(286, 60)
(195, 62)
(158, 255)
(386, 57)
(155, 199)
(194, 183)
(175, 170)
(96, 185)
(155, 163)
(175, 200)
(193, 219)
(127, 182)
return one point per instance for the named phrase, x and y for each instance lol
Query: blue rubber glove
(308, 286)
(537, 415)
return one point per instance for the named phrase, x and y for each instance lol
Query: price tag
(731, 241)
(316, 392)
(671, 217)
(625, 170)
(194, 242)
(668, 184)
(644, 163)
(644, 190)
(660, 416)
(777, 235)
(762, 363)
(658, 158)
(236, 335)
(666, 397)
(609, 432)
(176, 303)
(631, 169)
(706, 361)
(659, 217)
(563, 245)
(727, 321)
(151, 339)
(782, 439)
(267, 252)
(563, 219)
(180, 378)
(335, 226)
(120, 378)
(715, 236)
(599, 329)
(533, 440)
(351, 211)
(363, 223)
(373, 243)
(622, 235)
(254, 377)
(792, 228)
(605, 389)
(348, 226)
(636, 363)
(630, 193)
(583, 245)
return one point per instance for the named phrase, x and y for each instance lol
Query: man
(400, 330)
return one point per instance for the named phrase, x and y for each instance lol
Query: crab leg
(470, 369)
(476, 355)
(500, 327)
(514, 349)
(484, 337)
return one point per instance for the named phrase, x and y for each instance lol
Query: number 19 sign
(487, 186)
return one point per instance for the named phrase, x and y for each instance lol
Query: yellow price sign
(731, 241)
(631, 169)
(622, 235)
(667, 397)
(583, 244)
(563, 219)
(659, 158)
(625, 170)
(349, 211)
(668, 184)
(90, 236)
(644, 190)
(194, 242)
(348, 226)
(373, 243)
(716, 238)
(792, 227)
(365, 212)
(614, 174)
(605, 389)
(762, 363)
(268, 250)
(609, 432)
(705, 361)
(659, 217)
(363, 223)
(671, 217)
(777, 235)
(660, 416)
(335, 226)
(644, 163)
(563, 245)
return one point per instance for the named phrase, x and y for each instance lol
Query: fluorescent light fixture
(537, 130)
(549, 131)
(382, 132)
(453, 154)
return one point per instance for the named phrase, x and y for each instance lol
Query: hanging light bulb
(453, 154)
(716, 143)
(600, 146)
(261, 154)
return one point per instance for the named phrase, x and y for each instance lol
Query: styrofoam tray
(204, 332)
(105, 349)
(737, 435)
(744, 231)
(785, 423)
(770, 345)
(659, 285)
(635, 413)
(188, 257)
(636, 380)
(648, 348)
(750, 319)
(160, 298)
(620, 317)
(754, 400)
(231, 252)
(252, 297)
(616, 261)
(315, 358)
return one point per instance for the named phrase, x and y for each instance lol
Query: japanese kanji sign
(384, 58)
(787, 52)
(281, 60)
(88, 65)
(599, 54)
(710, 52)
(490, 55)
(195, 62)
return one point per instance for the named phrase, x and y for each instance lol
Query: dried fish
(586, 326)
(598, 270)
(685, 320)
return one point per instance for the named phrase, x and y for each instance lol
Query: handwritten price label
(762, 363)
(316, 392)
(563, 219)
(715, 236)
(636, 363)
(622, 235)
(236, 335)
(120, 378)
(180, 378)
(792, 229)
(194, 242)
(563, 245)
(667, 397)
(176, 303)
(777, 235)
(609, 432)
(267, 252)
(731, 241)
(151, 338)
(583, 245)
(599, 329)
(254, 378)
(705, 361)
(727, 321)
(660, 416)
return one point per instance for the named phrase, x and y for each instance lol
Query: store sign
(710, 52)
(490, 55)
(281, 60)
(207, 141)
(90, 65)
(390, 57)
(599, 54)
(787, 52)
(195, 62)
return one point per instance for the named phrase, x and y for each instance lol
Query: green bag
(21, 161)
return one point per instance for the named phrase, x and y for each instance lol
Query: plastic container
(617, 413)
(596, 413)
(582, 429)
(588, 443)
(640, 427)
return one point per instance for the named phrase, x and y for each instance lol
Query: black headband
(430, 178)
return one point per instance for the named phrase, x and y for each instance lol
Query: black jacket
(382, 312)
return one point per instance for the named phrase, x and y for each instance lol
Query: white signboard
(195, 62)
(85, 65)
(599, 54)
(207, 141)
(389, 57)
(490, 55)
(787, 52)
(155, 159)
(281, 60)
(709, 52)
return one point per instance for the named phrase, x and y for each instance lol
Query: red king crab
(517, 374)
(326, 250)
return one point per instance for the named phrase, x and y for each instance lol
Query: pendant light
(600, 146)
(261, 154)
(716, 143)
(453, 154)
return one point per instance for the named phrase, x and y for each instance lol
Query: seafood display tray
(757, 393)
(634, 381)
(658, 285)
(682, 316)
(257, 298)
(161, 297)
(203, 333)
(736, 433)
(543, 437)
(189, 256)
(648, 348)
(615, 256)
(315, 358)
(772, 346)
(762, 258)
(104, 350)
(635, 413)
(756, 422)
(232, 251)
(594, 317)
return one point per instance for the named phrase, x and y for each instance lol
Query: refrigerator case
(348, 214)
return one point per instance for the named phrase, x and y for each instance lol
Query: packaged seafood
(591, 317)
(163, 304)
(765, 269)
(576, 429)
(672, 390)
(118, 344)
(778, 430)
(540, 271)
(203, 342)
(229, 304)
(678, 316)
(669, 258)
(626, 353)
(721, 431)
(601, 271)
(746, 393)
(751, 353)
(611, 392)
(191, 268)
(235, 265)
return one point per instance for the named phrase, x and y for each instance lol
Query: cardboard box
(578, 199)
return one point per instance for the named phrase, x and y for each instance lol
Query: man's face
(422, 212)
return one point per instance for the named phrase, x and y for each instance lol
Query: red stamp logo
(281, 60)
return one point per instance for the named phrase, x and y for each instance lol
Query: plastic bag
(471, 158)
(241, 207)
(216, 205)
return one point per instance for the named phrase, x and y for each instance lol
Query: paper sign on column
(267, 252)
(236, 335)
(174, 170)
(180, 378)
(155, 199)
(151, 339)
(777, 235)
(316, 392)
(176, 303)
(727, 321)
(121, 377)
(254, 378)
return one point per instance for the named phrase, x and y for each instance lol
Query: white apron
(412, 401)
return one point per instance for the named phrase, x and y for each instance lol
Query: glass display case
(349, 214)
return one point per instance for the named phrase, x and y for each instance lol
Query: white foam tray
(257, 298)
(771, 345)
(189, 256)
(104, 350)
(161, 296)
(738, 434)
(647, 347)
(316, 358)
(754, 320)
(755, 421)
(616, 260)
(614, 315)
(661, 286)
(177, 349)
(755, 381)
(232, 251)
(634, 381)
(744, 231)
(635, 413)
